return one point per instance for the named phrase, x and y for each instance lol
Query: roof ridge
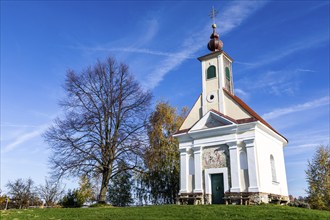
(223, 115)
(251, 112)
(239, 121)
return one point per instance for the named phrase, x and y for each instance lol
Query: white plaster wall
(267, 145)
(264, 143)
(228, 134)
(215, 140)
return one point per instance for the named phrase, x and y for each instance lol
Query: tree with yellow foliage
(161, 158)
(318, 178)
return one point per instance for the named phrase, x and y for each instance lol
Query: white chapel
(228, 153)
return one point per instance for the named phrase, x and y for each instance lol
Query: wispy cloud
(274, 82)
(320, 5)
(241, 93)
(309, 137)
(24, 138)
(245, 63)
(18, 125)
(300, 45)
(280, 82)
(231, 17)
(296, 108)
(301, 147)
(305, 70)
(237, 13)
(134, 50)
(303, 142)
(151, 28)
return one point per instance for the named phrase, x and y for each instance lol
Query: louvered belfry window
(211, 72)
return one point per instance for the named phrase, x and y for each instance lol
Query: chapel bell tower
(228, 153)
(216, 75)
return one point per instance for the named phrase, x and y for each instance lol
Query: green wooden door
(217, 188)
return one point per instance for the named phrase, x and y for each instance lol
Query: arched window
(227, 73)
(272, 166)
(211, 72)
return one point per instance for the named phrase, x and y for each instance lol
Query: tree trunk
(104, 186)
(7, 200)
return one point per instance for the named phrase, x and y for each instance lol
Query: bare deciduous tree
(23, 193)
(51, 192)
(105, 115)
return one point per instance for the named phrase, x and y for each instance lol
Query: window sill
(211, 78)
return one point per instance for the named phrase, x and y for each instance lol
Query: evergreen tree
(73, 199)
(120, 187)
(86, 188)
(318, 178)
(78, 197)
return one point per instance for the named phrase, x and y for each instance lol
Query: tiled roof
(251, 112)
(239, 121)
(182, 131)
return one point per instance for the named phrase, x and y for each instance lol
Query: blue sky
(281, 67)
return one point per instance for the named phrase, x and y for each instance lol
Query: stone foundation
(234, 198)
(190, 199)
(247, 198)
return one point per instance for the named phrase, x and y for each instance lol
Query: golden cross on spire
(213, 14)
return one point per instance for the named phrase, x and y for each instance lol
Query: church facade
(228, 153)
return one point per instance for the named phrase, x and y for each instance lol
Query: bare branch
(105, 114)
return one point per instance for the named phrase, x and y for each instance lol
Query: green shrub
(300, 204)
(73, 199)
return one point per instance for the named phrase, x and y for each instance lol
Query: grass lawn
(170, 212)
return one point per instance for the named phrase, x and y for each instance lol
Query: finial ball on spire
(215, 44)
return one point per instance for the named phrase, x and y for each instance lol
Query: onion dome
(215, 44)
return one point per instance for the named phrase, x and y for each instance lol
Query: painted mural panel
(215, 157)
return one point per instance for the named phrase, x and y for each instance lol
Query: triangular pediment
(211, 120)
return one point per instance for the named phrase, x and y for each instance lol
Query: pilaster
(234, 167)
(252, 166)
(198, 169)
(184, 169)
(203, 89)
(221, 84)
